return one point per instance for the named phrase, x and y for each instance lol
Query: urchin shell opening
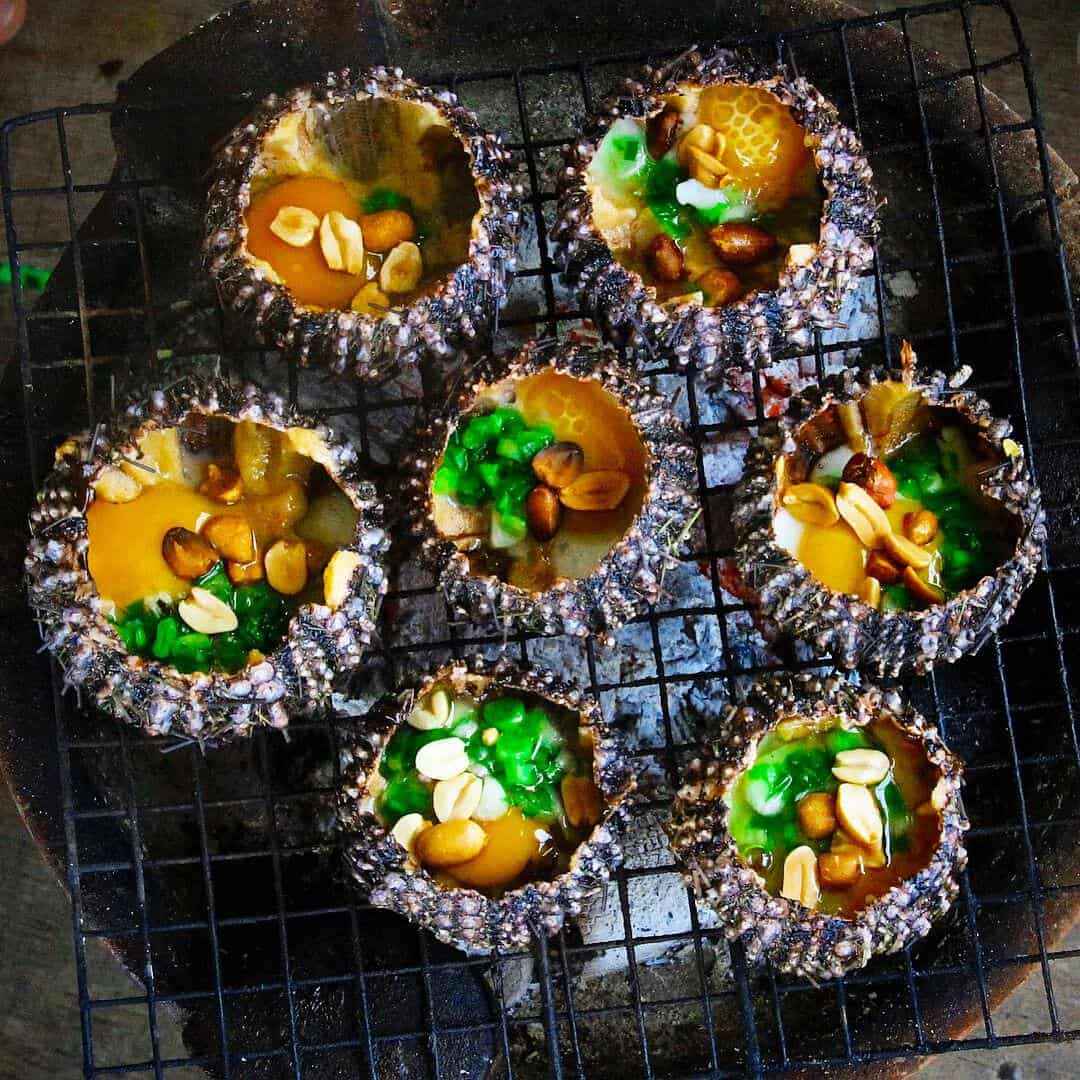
(465, 917)
(297, 677)
(452, 313)
(742, 334)
(791, 601)
(631, 574)
(798, 940)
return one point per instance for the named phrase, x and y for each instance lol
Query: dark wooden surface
(75, 51)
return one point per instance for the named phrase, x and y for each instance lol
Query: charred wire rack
(215, 877)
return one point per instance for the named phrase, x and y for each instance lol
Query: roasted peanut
(543, 512)
(800, 877)
(295, 225)
(450, 842)
(386, 229)
(442, 758)
(223, 484)
(337, 577)
(660, 131)
(206, 614)
(873, 476)
(861, 765)
(720, 285)
(921, 526)
(601, 489)
(188, 555)
(231, 535)
(741, 242)
(665, 258)
(286, 566)
(866, 518)
(859, 814)
(839, 869)
(456, 798)
(244, 573)
(817, 814)
(116, 486)
(582, 800)
(904, 551)
(812, 504)
(342, 243)
(401, 269)
(882, 568)
(922, 591)
(559, 464)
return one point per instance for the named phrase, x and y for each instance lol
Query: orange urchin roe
(303, 269)
(764, 148)
(582, 411)
(511, 846)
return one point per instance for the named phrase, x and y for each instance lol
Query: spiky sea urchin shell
(631, 574)
(464, 917)
(296, 678)
(450, 316)
(792, 601)
(813, 280)
(807, 943)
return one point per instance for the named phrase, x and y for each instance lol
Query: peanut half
(295, 225)
(859, 814)
(337, 577)
(904, 551)
(342, 243)
(115, 486)
(407, 829)
(443, 758)
(559, 464)
(206, 614)
(232, 536)
(866, 518)
(839, 869)
(370, 300)
(401, 269)
(870, 592)
(861, 765)
(816, 814)
(286, 566)
(456, 798)
(800, 877)
(812, 504)
(386, 229)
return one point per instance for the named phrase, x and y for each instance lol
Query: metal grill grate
(212, 875)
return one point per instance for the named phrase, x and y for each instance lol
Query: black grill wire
(763, 1045)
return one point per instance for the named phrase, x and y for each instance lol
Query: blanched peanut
(440, 705)
(450, 842)
(206, 614)
(701, 136)
(295, 225)
(812, 504)
(231, 535)
(407, 829)
(370, 300)
(342, 243)
(401, 269)
(286, 566)
(870, 592)
(423, 719)
(859, 814)
(457, 797)
(442, 758)
(861, 765)
(817, 814)
(705, 168)
(187, 554)
(337, 577)
(800, 877)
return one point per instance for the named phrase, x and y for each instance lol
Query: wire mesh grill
(214, 875)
